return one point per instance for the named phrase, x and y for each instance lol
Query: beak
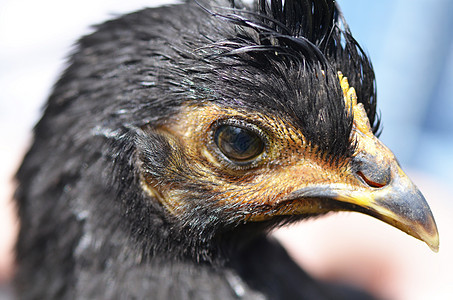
(378, 187)
(400, 204)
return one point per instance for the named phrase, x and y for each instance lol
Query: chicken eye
(238, 143)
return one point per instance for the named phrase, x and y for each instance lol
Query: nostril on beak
(369, 181)
(372, 171)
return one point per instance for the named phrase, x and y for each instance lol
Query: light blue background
(411, 46)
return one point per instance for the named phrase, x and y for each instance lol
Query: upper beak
(400, 204)
(381, 189)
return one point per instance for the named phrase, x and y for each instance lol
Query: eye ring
(239, 142)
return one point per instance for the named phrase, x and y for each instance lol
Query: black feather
(88, 229)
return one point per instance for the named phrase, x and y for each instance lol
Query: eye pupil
(238, 143)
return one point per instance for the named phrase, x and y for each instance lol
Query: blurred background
(411, 46)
